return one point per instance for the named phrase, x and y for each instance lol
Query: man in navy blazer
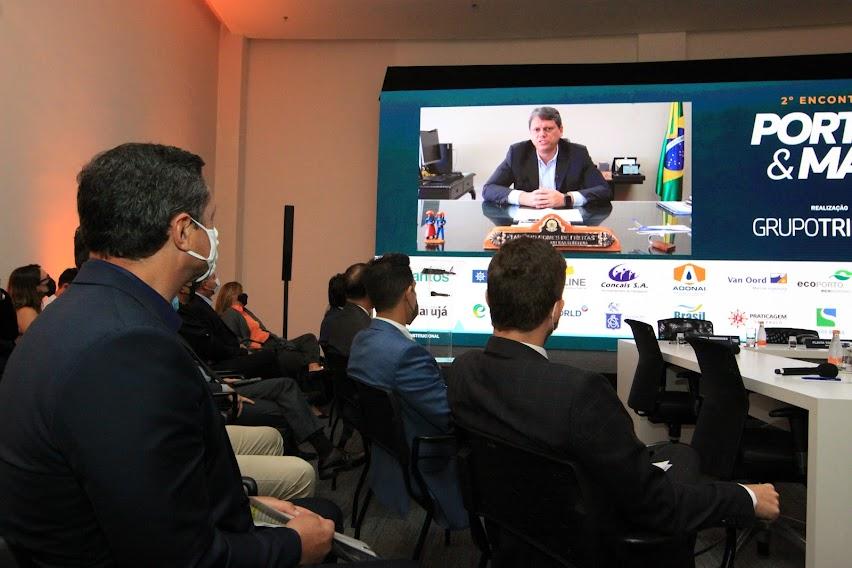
(512, 392)
(547, 170)
(386, 356)
(112, 450)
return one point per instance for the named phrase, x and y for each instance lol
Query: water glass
(751, 338)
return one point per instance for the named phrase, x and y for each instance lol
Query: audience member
(346, 315)
(259, 451)
(28, 286)
(112, 451)
(68, 275)
(512, 392)
(386, 356)
(295, 356)
(8, 328)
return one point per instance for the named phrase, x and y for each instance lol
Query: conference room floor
(392, 537)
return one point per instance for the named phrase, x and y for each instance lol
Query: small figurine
(440, 221)
(430, 226)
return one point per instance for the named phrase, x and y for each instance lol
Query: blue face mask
(175, 303)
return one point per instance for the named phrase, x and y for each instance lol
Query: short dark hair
(23, 287)
(545, 113)
(525, 279)
(68, 275)
(337, 291)
(127, 197)
(81, 249)
(386, 279)
(355, 289)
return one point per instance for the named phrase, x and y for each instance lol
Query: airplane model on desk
(659, 229)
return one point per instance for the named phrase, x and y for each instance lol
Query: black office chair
(13, 557)
(382, 426)
(345, 410)
(780, 335)
(670, 327)
(730, 445)
(648, 394)
(552, 509)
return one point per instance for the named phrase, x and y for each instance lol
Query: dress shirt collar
(205, 298)
(538, 348)
(402, 329)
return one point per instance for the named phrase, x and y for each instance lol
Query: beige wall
(79, 77)
(311, 137)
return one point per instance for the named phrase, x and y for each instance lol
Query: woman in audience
(302, 351)
(27, 287)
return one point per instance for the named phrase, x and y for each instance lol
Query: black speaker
(445, 166)
(287, 248)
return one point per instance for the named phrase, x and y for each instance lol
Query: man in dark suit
(342, 323)
(112, 451)
(547, 170)
(386, 356)
(510, 391)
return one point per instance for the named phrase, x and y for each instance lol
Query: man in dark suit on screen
(547, 170)
(512, 392)
(342, 323)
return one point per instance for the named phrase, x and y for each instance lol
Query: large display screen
(716, 190)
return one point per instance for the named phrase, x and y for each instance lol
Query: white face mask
(217, 285)
(213, 237)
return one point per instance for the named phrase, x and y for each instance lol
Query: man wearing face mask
(112, 451)
(512, 392)
(385, 355)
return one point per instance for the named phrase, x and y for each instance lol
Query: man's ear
(180, 229)
(487, 301)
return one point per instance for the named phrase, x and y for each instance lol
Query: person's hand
(240, 400)
(549, 198)
(768, 505)
(314, 531)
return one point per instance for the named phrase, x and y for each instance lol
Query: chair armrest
(228, 404)
(249, 486)
(792, 412)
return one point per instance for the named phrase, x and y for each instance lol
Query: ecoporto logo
(479, 311)
(574, 312)
(622, 277)
(613, 316)
(842, 275)
(479, 276)
(826, 317)
(690, 312)
(572, 280)
(689, 277)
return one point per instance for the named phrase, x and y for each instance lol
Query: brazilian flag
(670, 171)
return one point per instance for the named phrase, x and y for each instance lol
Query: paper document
(663, 465)
(681, 208)
(524, 215)
(347, 548)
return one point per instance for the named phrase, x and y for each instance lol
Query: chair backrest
(650, 374)
(345, 393)
(719, 428)
(544, 501)
(670, 327)
(780, 335)
(382, 422)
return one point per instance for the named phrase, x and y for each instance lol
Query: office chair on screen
(382, 426)
(648, 394)
(780, 335)
(544, 511)
(731, 446)
(669, 328)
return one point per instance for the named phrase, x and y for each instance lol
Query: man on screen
(547, 170)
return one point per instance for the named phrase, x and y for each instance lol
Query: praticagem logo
(479, 311)
(826, 317)
(738, 318)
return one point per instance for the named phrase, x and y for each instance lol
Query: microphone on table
(434, 293)
(823, 370)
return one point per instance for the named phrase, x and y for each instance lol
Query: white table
(829, 405)
(800, 352)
